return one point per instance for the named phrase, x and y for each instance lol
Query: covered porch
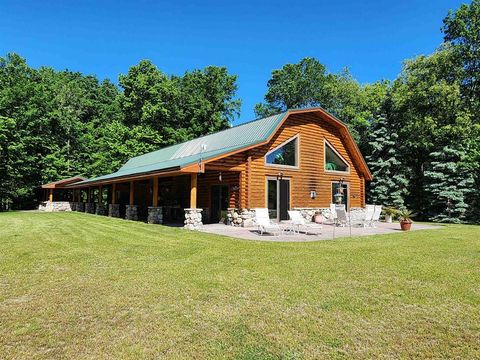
(174, 197)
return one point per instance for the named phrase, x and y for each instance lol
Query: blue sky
(251, 38)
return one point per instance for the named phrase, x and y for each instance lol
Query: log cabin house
(296, 159)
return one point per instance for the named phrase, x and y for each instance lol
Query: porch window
(284, 155)
(333, 160)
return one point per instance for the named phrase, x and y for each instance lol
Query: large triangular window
(333, 160)
(284, 155)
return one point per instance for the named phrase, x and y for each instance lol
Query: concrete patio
(327, 233)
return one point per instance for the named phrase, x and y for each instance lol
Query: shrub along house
(296, 159)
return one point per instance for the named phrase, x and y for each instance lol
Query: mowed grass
(82, 286)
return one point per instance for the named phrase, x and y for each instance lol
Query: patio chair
(342, 218)
(357, 217)
(264, 224)
(369, 212)
(298, 221)
(376, 215)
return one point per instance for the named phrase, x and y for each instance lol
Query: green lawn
(83, 286)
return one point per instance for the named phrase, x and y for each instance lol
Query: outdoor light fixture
(280, 175)
(220, 176)
(313, 194)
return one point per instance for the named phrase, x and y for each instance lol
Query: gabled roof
(64, 182)
(218, 144)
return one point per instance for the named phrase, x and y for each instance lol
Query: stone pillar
(155, 215)
(234, 217)
(100, 209)
(131, 212)
(193, 218)
(247, 217)
(90, 208)
(81, 206)
(73, 206)
(114, 210)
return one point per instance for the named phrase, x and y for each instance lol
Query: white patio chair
(342, 218)
(264, 224)
(376, 215)
(298, 221)
(333, 212)
(357, 217)
(369, 211)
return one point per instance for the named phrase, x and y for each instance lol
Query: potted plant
(389, 213)
(318, 218)
(405, 221)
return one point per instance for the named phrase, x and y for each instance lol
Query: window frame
(297, 154)
(325, 144)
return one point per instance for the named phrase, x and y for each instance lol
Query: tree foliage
(56, 124)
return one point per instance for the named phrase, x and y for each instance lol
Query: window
(333, 160)
(284, 155)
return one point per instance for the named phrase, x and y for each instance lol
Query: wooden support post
(132, 195)
(249, 180)
(89, 195)
(193, 191)
(155, 192)
(50, 195)
(114, 193)
(100, 193)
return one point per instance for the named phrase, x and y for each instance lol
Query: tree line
(419, 133)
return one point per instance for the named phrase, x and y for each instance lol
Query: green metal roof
(204, 147)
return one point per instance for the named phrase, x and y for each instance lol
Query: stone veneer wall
(193, 219)
(155, 215)
(242, 218)
(100, 209)
(131, 212)
(55, 206)
(114, 210)
(90, 208)
(80, 207)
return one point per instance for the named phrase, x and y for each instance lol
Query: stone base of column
(90, 208)
(114, 210)
(73, 206)
(131, 212)
(100, 209)
(155, 215)
(80, 207)
(193, 219)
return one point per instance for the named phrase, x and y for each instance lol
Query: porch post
(155, 192)
(50, 195)
(89, 195)
(90, 205)
(131, 212)
(193, 191)
(114, 208)
(100, 197)
(114, 190)
(132, 195)
(100, 209)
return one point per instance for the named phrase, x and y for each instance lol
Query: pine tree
(448, 183)
(389, 184)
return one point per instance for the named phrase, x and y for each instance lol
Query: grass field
(83, 286)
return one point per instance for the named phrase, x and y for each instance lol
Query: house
(297, 159)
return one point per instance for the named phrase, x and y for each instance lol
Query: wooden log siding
(311, 175)
(210, 178)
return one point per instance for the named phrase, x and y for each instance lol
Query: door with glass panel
(278, 198)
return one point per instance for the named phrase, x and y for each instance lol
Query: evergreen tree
(448, 184)
(389, 184)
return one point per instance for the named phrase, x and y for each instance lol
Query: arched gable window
(334, 162)
(286, 154)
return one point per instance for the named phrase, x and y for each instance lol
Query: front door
(278, 198)
(219, 204)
